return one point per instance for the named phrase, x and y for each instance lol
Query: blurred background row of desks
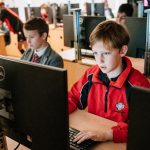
(75, 70)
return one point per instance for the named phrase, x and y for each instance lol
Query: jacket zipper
(106, 99)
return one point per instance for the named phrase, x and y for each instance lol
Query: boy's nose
(101, 59)
(28, 40)
(102, 56)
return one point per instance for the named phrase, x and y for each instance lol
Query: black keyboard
(82, 146)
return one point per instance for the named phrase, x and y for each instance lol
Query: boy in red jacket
(14, 24)
(104, 88)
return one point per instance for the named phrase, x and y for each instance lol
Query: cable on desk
(17, 146)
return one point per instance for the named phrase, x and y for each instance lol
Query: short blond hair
(44, 5)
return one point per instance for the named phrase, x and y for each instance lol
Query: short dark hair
(127, 9)
(38, 24)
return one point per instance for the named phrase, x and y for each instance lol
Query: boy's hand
(93, 135)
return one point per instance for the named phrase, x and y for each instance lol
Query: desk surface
(83, 120)
(11, 145)
(2, 45)
(68, 54)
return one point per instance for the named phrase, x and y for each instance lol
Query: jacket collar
(46, 55)
(119, 82)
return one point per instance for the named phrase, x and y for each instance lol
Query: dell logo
(2, 73)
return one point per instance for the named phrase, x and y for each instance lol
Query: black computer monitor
(68, 30)
(36, 12)
(87, 24)
(33, 101)
(98, 7)
(75, 5)
(137, 30)
(62, 9)
(139, 119)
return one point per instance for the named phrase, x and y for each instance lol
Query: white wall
(114, 4)
(35, 3)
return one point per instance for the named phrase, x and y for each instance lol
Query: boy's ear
(44, 35)
(124, 50)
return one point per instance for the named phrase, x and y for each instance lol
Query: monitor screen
(139, 119)
(87, 24)
(31, 12)
(137, 30)
(98, 9)
(33, 102)
(74, 5)
(68, 30)
(62, 9)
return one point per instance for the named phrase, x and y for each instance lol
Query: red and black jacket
(108, 99)
(11, 19)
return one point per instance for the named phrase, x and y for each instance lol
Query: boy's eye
(95, 53)
(107, 53)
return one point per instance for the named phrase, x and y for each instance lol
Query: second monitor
(139, 119)
(87, 24)
(98, 9)
(137, 30)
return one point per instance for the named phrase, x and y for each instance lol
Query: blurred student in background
(36, 31)
(44, 12)
(108, 11)
(124, 10)
(14, 24)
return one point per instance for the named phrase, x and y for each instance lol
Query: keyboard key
(82, 146)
